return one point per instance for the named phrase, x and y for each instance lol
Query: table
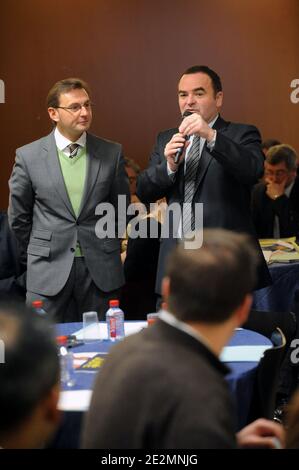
(278, 297)
(240, 381)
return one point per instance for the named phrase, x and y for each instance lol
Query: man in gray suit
(57, 187)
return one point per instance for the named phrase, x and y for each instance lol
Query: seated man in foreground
(164, 387)
(29, 378)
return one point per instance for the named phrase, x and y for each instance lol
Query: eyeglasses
(278, 173)
(76, 107)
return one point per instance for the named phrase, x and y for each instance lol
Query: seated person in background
(140, 267)
(275, 202)
(132, 170)
(268, 144)
(29, 379)
(164, 388)
(12, 268)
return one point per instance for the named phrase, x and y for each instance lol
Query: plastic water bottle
(38, 307)
(115, 321)
(66, 359)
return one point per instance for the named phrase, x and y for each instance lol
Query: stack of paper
(282, 250)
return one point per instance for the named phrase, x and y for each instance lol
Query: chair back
(265, 322)
(266, 383)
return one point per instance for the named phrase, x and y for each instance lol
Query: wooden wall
(132, 53)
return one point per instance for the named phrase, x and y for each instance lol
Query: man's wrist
(211, 142)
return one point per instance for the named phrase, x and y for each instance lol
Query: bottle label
(112, 323)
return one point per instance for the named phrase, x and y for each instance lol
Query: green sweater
(74, 173)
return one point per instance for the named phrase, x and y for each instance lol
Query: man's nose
(276, 179)
(83, 111)
(190, 99)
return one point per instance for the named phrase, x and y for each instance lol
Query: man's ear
(243, 310)
(219, 99)
(53, 113)
(49, 404)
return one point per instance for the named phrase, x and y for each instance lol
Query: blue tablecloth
(279, 297)
(240, 380)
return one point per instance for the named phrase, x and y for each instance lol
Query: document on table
(99, 331)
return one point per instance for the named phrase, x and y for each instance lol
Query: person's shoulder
(101, 141)
(241, 127)
(36, 145)
(167, 133)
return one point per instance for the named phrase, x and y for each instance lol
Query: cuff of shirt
(212, 142)
(170, 173)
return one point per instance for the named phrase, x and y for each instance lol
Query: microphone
(187, 137)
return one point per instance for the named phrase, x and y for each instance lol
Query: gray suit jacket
(43, 220)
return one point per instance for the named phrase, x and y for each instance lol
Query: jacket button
(72, 250)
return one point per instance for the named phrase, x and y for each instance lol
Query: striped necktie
(190, 179)
(73, 150)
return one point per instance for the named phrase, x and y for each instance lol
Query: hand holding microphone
(187, 137)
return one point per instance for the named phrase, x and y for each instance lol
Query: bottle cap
(61, 340)
(37, 303)
(113, 303)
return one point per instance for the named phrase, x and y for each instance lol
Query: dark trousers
(79, 295)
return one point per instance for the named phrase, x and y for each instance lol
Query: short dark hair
(208, 283)
(64, 86)
(129, 162)
(31, 366)
(270, 143)
(216, 81)
(282, 153)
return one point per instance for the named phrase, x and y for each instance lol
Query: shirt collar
(288, 190)
(211, 124)
(62, 142)
(169, 318)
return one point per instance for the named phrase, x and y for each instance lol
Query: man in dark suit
(275, 202)
(60, 187)
(164, 387)
(12, 269)
(219, 165)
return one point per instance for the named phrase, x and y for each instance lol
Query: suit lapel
(206, 157)
(54, 171)
(93, 166)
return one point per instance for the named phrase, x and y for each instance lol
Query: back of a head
(208, 283)
(282, 153)
(31, 366)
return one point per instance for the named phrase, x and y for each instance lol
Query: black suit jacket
(12, 271)
(264, 209)
(225, 179)
(160, 389)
